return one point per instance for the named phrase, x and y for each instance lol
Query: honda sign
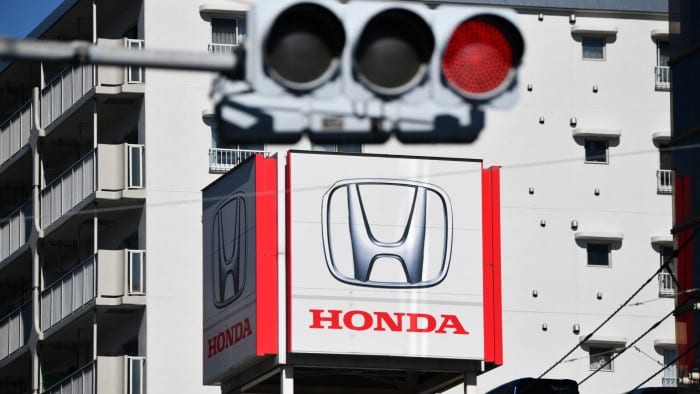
(386, 256)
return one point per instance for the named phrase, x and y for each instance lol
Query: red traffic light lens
(480, 56)
(302, 49)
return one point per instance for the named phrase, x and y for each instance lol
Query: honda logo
(359, 241)
(229, 244)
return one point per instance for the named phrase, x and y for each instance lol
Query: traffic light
(361, 70)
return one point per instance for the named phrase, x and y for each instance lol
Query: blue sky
(19, 17)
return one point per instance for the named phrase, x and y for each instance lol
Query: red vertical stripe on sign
(491, 235)
(266, 254)
(288, 244)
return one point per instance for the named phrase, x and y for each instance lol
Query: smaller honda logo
(229, 243)
(355, 250)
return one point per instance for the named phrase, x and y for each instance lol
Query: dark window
(662, 53)
(664, 157)
(598, 254)
(347, 148)
(599, 356)
(596, 151)
(593, 48)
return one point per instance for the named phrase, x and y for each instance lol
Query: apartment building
(84, 309)
(101, 170)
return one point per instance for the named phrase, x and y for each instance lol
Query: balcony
(663, 77)
(106, 375)
(666, 285)
(14, 330)
(65, 90)
(110, 278)
(222, 48)
(14, 132)
(15, 230)
(75, 84)
(119, 173)
(222, 160)
(664, 181)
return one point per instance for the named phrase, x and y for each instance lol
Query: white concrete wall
(177, 142)
(543, 156)
(547, 158)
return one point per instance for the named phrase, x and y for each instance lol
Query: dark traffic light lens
(302, 49)
(481, 56)
(393, 52)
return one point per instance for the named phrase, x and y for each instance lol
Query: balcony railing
(110, 273)
(222, 48)
(668, 381)
(14, 132)
(663, 77)
(222, 160)
(15, 230)
(664, 181)
(65, 90)
(666, 285)
(71, 291)
(120, 167)
(69, 189)
(14, 329)
(115, 374)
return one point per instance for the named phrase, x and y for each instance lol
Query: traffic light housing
(362, 70)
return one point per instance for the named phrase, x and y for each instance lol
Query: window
(599, 357)
(667, 284)
(662, 53)
(669, 377)
(596, 151)
(666, 254)
(134, 74)
(664, 157)
(663, 71)
(593, 47)
(347, 148)
(598, 254)
(226, 34)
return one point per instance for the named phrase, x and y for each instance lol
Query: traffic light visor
(481, 57)
(302, 48)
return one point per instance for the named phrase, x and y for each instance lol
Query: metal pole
(82, 52)
(287, 380)
(469, 383)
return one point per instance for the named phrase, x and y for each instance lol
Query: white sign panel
(385, 256)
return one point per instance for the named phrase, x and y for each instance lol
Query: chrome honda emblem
(229, 249)
(367, 250)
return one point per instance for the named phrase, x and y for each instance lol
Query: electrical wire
(672, 362)
(619, 353)
(627, 301)
(503, 167)
(646, 354)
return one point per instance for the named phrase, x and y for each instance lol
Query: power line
(618, 354)
(646, 354)
(636, 292)
(672, 362)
